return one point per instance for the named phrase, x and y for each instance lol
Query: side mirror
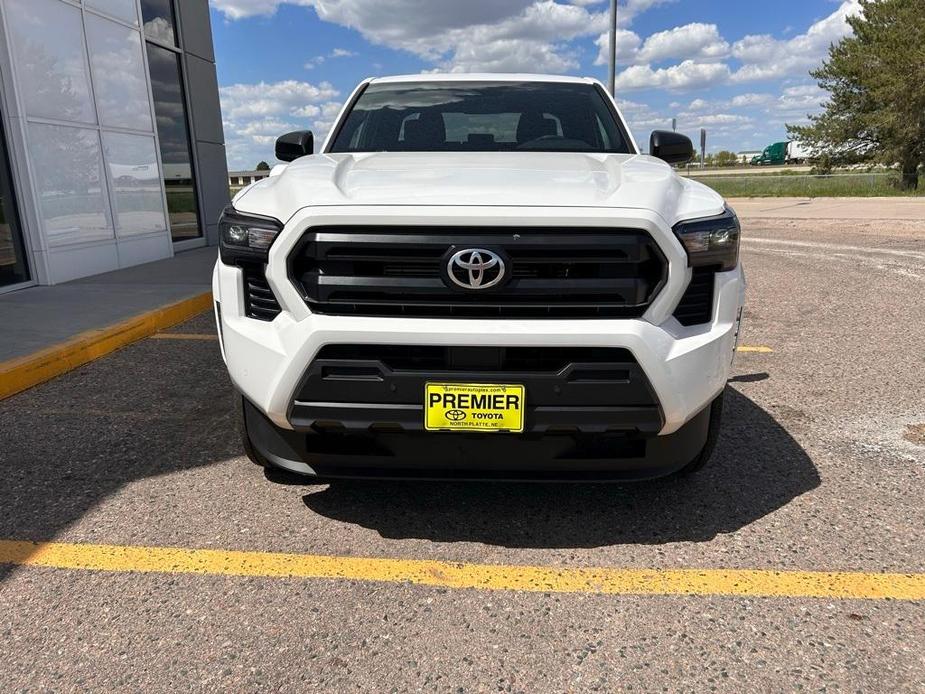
(291, 146)
(671, 147)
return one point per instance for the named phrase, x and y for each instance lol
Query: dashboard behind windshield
(481, 117)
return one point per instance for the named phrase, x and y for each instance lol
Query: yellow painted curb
(760, 349)
(845, 585)
(16, 375)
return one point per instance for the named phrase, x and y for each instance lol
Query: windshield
(481, 117)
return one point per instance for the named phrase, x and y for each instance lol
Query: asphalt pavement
(820, 468)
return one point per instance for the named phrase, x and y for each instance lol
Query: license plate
(473, 407)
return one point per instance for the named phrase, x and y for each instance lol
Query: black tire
(703, 457)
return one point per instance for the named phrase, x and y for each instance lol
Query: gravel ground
(820, 466)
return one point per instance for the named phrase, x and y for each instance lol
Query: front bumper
(418, 455)
(686, 367)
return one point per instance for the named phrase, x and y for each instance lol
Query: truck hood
(531, 179)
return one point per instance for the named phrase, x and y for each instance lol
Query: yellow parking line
(182, 336)
(446, 574)
(754, 348)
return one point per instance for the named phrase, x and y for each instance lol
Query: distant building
(746, 157)
(239, 179)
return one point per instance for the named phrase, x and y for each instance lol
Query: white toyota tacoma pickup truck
(479, 276)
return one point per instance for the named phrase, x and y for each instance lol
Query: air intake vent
(259, 301)
(696, 305)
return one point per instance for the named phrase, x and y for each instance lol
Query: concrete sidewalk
(873, 209)
(40, 317)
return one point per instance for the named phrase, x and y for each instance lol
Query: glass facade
(174, 135)
(82, 76)
(100, 142)
(13, 266)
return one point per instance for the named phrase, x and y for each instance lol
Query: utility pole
(612, 81)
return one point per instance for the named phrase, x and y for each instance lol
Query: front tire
(703, 457)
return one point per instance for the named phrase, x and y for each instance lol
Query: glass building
(112, 151)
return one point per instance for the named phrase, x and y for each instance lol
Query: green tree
(263, 166)
(725, 158)
(876, 113)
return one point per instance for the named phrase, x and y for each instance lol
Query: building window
(174, 135)
(49, 48)
(120, 9)
(136, 183)
(118, 75)
(70, 183)
(13, 267)
(159, 21)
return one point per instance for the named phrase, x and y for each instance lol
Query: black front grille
(696, 305)
(259, 301)
(554, 272)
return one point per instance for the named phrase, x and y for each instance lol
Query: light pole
(612, 79)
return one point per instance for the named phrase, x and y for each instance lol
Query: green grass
(863, 185)
(180, 201)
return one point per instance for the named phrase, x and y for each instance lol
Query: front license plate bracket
(474, 407)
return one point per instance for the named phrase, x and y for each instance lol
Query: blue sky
(738, 68)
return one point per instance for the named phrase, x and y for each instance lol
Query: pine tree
(876, 77)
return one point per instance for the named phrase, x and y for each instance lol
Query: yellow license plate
(473, 407)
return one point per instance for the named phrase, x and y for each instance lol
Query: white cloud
(532, 41)
(763, 57)
(641, 116)
(312, 63)
(714, 119)
(686, 75)
(241, 9)
(747, 100)
(264, 99)
(469, 35)
(254, 115)
(628, 44)
(799, 100)
(692, 41)
(629, 10)
(750, 99)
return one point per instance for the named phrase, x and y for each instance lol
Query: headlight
(711, 240)
(246, 237)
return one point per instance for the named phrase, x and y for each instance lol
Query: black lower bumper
(566, 456)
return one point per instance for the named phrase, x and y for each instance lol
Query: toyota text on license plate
(473, 407)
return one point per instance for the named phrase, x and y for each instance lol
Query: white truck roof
(480, 77)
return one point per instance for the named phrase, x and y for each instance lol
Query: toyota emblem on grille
(476, 268)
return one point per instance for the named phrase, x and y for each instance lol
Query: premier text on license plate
(473, 407)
